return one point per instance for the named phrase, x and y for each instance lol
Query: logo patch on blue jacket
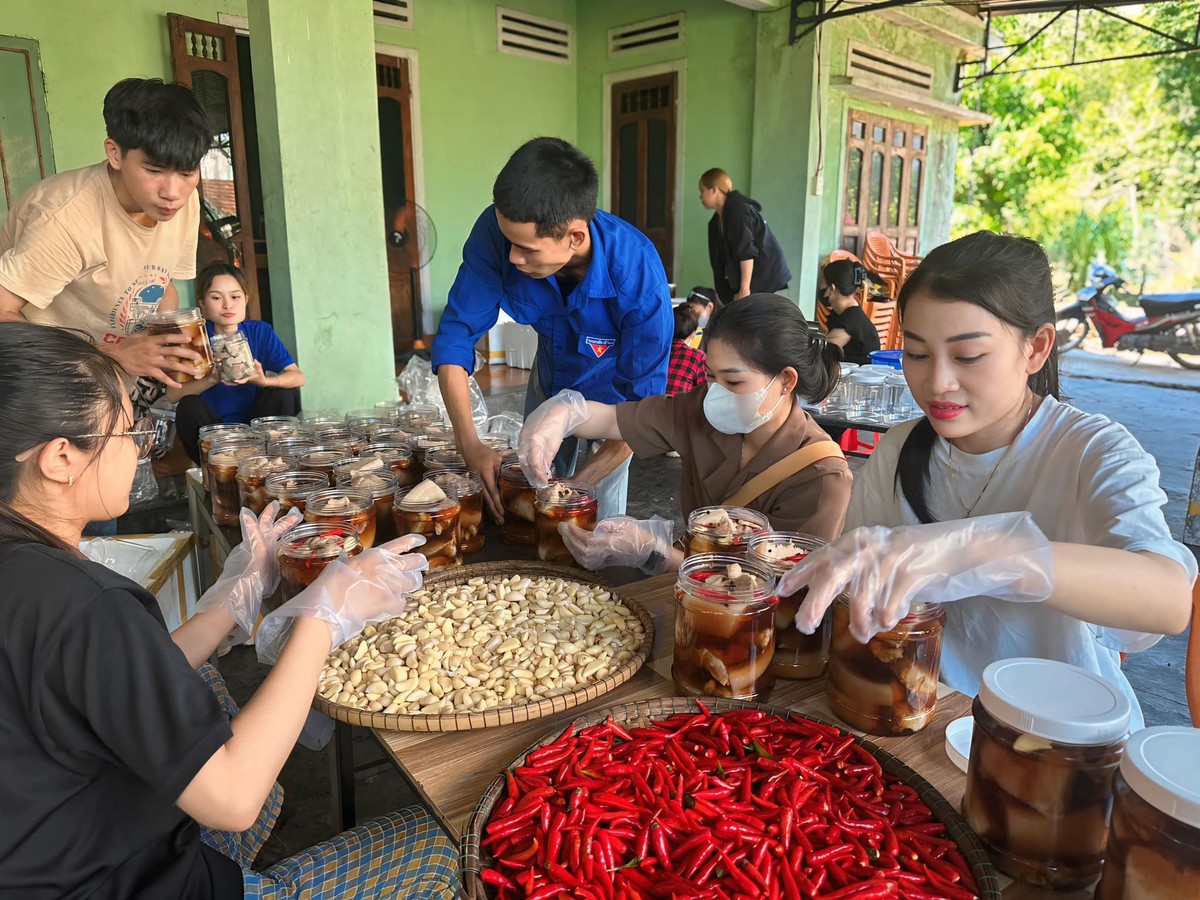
(599, 346)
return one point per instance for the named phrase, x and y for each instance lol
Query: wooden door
(643, 159)
(885, 168)
(401, 232)
(205, 58)
(25, 153)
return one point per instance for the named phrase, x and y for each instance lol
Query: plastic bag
(417, 384)
(145, 485)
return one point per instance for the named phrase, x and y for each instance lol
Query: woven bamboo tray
(504, 715)
(475, 857)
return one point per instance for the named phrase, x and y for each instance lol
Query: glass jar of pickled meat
(209, 433)
(724, 627)
(437, 519)
(293, 446)
(563, 501)
(380, 486)
(444, 458)
(190, 323)
(722, 529)
(232, 356)
(497, 442)
(252, 473)
(361, 418)
(341, 504)
(292, 488)
(397, 456)
(307, 549)
(335, 435)
(418, 417)
(378, 432)
(423, 444)
(467, 487)
(888, 685)
(1047, 742)
(519, 499)
(321, 458)
(797, 655)
(265, 422)
(1153, 848)
(320, 418)
(223, 456)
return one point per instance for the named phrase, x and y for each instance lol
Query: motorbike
(1171, 323)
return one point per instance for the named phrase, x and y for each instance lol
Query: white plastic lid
(958, 741)
(863, 376)
(1054, 700)
(1160, 765)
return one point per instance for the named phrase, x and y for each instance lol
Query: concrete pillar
(314, 91)
(783, 161)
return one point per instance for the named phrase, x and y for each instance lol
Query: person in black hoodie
(746, 258)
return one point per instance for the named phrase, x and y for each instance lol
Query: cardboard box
(164, 564)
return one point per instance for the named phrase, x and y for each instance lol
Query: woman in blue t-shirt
(273, 388)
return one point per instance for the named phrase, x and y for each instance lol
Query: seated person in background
(685, 369)
(744, 438)
(221, 295)
(848, 326)
(705, 303)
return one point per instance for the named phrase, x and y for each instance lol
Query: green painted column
(784, 154)
(314, 91)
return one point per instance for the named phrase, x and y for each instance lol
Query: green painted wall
(315, 96)
(785, 153)
(943, 133)
(719, 67)
(89, 45)
(477, 106)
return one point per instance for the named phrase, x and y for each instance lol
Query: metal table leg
(341, 776)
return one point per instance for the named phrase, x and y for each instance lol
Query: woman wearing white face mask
(744, 437)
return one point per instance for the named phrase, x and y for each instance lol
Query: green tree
(1090, 160)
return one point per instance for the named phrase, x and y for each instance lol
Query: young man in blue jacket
(590, 284)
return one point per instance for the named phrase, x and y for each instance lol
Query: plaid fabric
(402, 855)
(686, 369)
(240, 846)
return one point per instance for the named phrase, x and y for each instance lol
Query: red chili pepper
(866, 891)
(498, 879)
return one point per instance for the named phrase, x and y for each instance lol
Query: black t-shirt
(864, 337)
(102, 725)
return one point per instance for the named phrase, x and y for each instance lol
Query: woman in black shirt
(847, 324)
(114, 747)
(746, 259)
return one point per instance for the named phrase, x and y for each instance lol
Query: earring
(71, 481)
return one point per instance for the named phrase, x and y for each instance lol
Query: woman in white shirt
(1001, 493)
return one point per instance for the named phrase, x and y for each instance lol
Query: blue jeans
(613, 491)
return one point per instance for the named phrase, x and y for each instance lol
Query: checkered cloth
(240, 846)
(402, 855)
(686, 368)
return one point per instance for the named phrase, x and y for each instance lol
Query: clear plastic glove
(544, 431)
(251, 570)
(621, 541)
(352, 593)
(885, 571)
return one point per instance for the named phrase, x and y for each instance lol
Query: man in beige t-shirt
(96, 249)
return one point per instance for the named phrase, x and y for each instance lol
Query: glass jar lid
(1055, 700)
(1162, 766)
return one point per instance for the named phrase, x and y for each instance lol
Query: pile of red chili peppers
(741, 804)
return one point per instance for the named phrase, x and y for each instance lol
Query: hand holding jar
(544, 431)
(884, 571)
(621, 541)
(251, 571)
(349, 595)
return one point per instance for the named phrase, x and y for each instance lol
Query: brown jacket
(812, 501)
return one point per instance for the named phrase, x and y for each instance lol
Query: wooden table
(451, 770)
